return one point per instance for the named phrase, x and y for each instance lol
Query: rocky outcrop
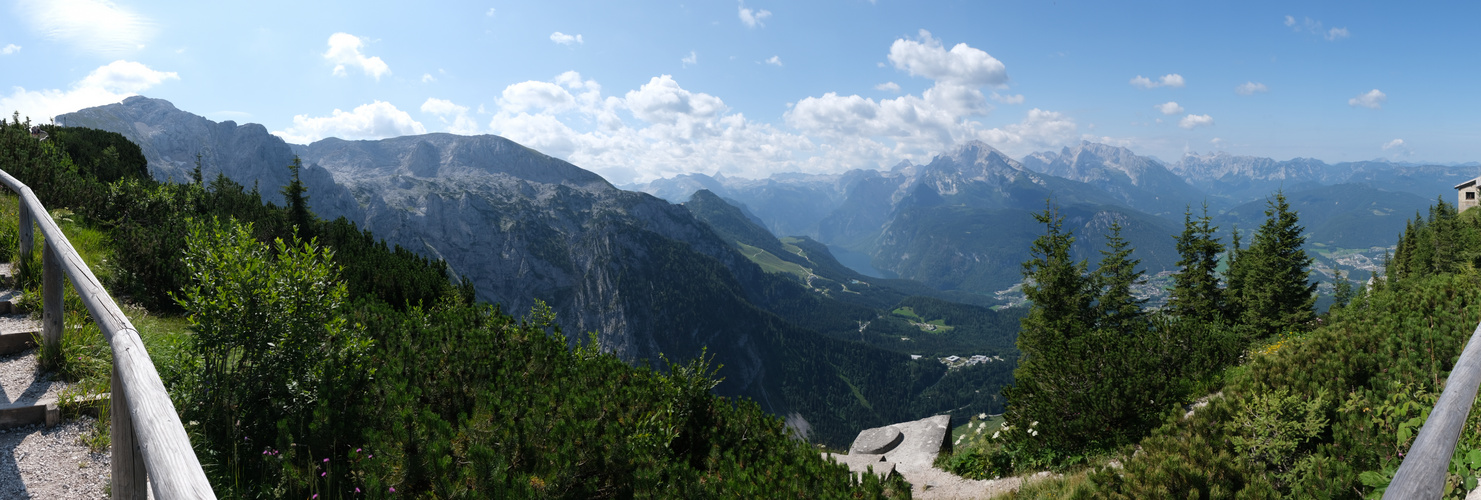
(248, 154)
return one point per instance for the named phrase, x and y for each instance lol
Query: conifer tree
(1342, 289)
(1195, 293)
(1051, 381)
(1275, 293)
(294, 192)
(1118, 309)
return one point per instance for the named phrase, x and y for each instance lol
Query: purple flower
(322, 474)
(326, 460)
(393, 489)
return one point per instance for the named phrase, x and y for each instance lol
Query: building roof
(1467, 184)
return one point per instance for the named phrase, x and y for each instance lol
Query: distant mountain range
(649, 276)
(962, 221)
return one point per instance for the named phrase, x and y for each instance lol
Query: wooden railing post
(27, 237)
(51, 304)
(130, 479)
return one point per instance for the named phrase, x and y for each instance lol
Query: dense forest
(1236, 389)
(320, 362)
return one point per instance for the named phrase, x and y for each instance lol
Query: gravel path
(36, 462)
(19, 383)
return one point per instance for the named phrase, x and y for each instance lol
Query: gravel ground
(19, 383)
(36, 462)
(16, 322)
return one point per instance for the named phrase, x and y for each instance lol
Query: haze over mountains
(751, 269)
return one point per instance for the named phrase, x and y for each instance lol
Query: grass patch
(771, 264)
(906, 312)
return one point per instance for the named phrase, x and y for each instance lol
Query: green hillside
(325, 364)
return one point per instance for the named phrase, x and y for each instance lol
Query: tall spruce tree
(1195, 293)
(1055, 338)
(1275, 292)
(298, 206)
(1117, 307)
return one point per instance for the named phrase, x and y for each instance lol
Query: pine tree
(1342, 289)
(1051, 381)
(1118, 309)
(294, 193)
(1275, 292)
(1195, 293)
(1234, 278)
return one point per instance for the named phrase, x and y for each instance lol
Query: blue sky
(637, 90)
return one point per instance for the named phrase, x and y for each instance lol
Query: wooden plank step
(29, 414)
(14, 342)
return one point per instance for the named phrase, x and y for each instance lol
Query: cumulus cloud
(564, 39)
(692, 58)
(1248, 88)
(428, 78)
(658, 129)
(1173, 80)
(1373, 99)
(962, 65)
(1193, 121)
(1008, 99)
(377, 120)
(491, 12)
(753, 18)
(888, 87)
(1335, 34)
(454, 118)
(1396, 143)
(95, 26)
(774, 61)
(106, 85)
(10, 49)
(1169, 108)
(344, 50)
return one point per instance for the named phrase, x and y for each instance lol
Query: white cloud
(753, 18)
(1373, 99)
(1248, 88)
(962, 65)
(1169, 108)
(454, 117)
(888, 87)
(491, 12)
(106, 85)
(774, 61)
(97, 26)
(1008, 99)
(344, 50)
(536, 96)
(669, 130)
(377, 120)
(1393, 144)
(10, 49)
(564, 39)
(692, 58)
(1173, 80)
(1315, 27)
(428, 78)
(1217, 142)
(1192, 121)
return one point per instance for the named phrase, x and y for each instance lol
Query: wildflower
(981, 416)
(357, 490)
(393, 489)
(322, 474)
(357, 450)
(326, 460)
(995, 434)
(1036, 422)
(316, 495)
(1034, 432)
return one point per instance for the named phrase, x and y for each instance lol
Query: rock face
(1135, 181)
(906, 447)
(650, 278)
(247, 154)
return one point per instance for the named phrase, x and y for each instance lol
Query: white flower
(981, 416)
(1034, 432)
(995, 434)
(1036, 422)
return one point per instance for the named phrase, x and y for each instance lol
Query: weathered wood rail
(1422, 474)
(150, 447)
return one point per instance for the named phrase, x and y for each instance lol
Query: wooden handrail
(147, 434)
(1422, 474)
